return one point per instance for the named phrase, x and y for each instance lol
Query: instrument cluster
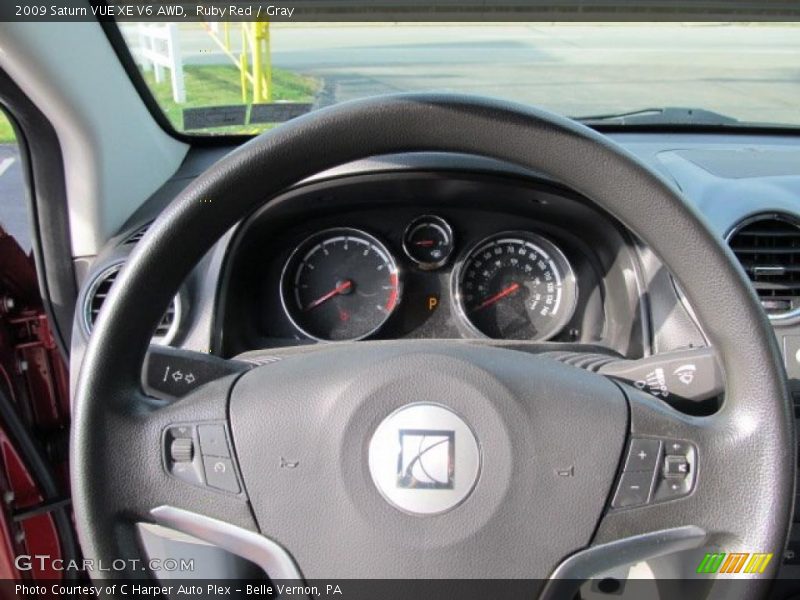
(343, 283)
(428, 255)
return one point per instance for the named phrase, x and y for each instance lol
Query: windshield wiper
(668, 115)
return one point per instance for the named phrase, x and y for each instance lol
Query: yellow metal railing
(254, 60)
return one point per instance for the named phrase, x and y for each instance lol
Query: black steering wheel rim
(754, 427)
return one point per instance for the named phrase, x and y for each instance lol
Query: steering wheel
(530, 455)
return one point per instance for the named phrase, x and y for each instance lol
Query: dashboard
(429, 255)
(610, 291)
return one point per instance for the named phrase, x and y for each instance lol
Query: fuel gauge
(428, 241)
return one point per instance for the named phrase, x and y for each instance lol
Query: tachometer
(515, 285)
(340, 284)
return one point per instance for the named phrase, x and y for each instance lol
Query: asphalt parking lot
(747, 71)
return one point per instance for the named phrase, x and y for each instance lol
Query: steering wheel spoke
(664, 512)
(152, 454)
(663, 459)
(673, 471)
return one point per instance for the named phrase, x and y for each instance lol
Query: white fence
(159, 48)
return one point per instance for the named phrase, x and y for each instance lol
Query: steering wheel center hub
(428, 451)
(424, 459)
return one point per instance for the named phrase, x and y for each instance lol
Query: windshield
(211, 78)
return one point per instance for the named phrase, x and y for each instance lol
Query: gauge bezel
(569, 283)
(305, 244)
(438, 221)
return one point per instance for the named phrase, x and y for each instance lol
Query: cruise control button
(180, 431)
(643, 455)
(672, 488)
(676, 466)
(213, 441)
(677, 447)
(188, 472)
(634, 489)
(220, 474)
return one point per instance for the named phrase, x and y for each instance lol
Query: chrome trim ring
(569, 281)
(424, 459)
(437, 222)
(322, 234)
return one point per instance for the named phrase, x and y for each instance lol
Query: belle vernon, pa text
(129, 589)
(165, 10)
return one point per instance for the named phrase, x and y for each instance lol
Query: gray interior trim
(582, 566)
(84, 107)
(271, 557)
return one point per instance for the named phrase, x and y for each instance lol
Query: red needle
(424, 243)
(498, 296)
(342, 287)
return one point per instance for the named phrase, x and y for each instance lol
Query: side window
(13, 208)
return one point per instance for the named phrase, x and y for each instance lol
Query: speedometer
(515, 285)
(340, 284)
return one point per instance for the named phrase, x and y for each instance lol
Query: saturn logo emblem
(424, 459)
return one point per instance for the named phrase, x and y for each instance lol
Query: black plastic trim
(778, 130)
(441, 166)
(46, 192)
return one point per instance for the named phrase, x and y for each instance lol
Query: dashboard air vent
(768, 246)
(137, 235)
(96, 296)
